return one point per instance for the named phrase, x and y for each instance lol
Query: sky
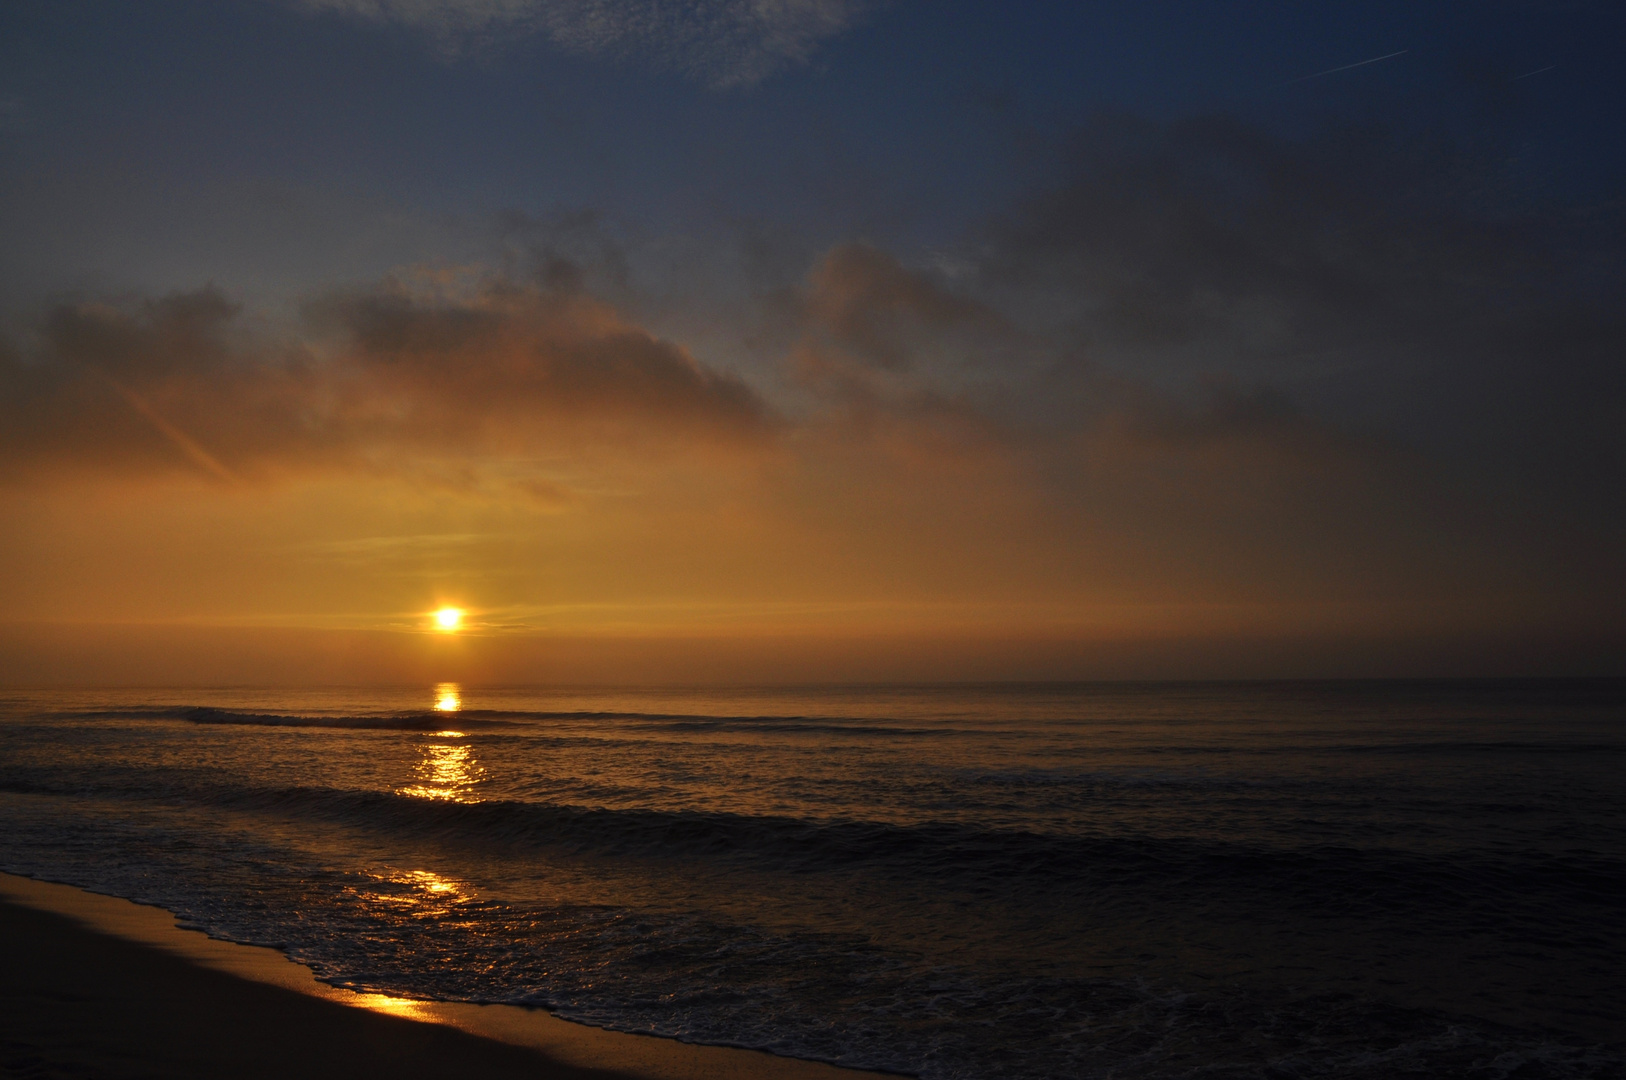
(810, 340)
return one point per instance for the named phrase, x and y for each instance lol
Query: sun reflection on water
(446, 767)
(424, 881)
(446, 770)
(413, 894)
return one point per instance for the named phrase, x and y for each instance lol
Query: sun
(449, 618)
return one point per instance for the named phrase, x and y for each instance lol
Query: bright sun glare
(449, 618)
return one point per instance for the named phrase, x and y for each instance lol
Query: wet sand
(97, 986)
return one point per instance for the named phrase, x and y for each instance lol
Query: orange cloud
(392, 380)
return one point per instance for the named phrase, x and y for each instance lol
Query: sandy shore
(96, 986)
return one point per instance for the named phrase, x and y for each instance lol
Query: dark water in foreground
(1339, 880)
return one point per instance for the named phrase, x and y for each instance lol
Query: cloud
(1385, 283)
(1364, 361)
(722, 42)
(1206, 365)
(884, 315)
(401, 377)
(910, 340)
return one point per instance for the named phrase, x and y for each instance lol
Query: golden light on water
(448, 619)
(414, 888)
(430, 882)
(416, 892)
(448, 697)
(446, 770)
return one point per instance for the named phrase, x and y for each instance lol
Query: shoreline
(120, 981)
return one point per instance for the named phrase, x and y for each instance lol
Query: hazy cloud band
(723, 42)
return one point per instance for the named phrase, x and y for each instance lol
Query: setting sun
(449, 618)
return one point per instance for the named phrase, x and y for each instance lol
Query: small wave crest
(433, 720)
(424, 721)
(1488, 890)
(427, 720)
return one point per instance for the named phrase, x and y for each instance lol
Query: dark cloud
(874, 334)
(382, 379)
(724, 42)
(1396, 286)
(1365, 359)
(869, 305)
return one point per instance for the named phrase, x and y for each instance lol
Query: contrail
(181, 439)
(1538, 71)
(1346, 67)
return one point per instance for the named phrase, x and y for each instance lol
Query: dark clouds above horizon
(1030, 329)
(725, 43)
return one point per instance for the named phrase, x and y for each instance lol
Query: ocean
(1341, 879)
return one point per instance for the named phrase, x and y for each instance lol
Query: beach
(98, 986)
(84, 1004)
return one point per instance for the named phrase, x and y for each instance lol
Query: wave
(424, 721)
(515, 719)
(430, 720)
(1485, 890)
(1470, 746)
(427, 720)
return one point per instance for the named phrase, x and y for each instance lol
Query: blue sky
(268, 146)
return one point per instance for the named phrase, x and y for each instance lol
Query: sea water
(1129, 880)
